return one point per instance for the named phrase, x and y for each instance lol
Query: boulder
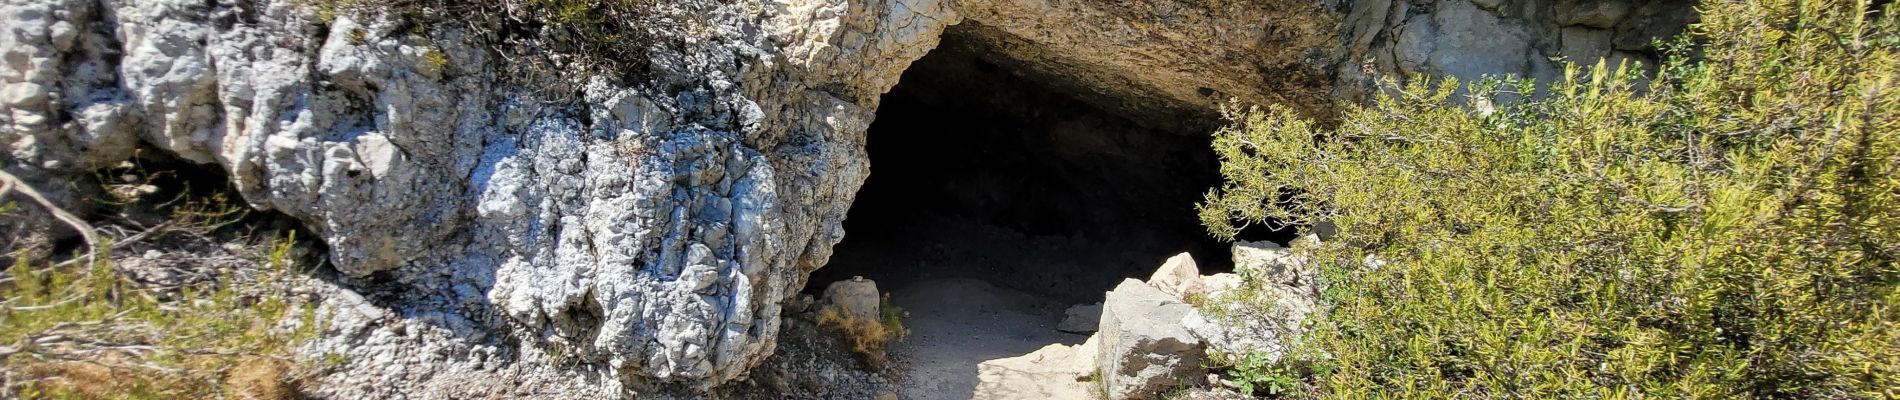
(1273, 263)
(1221, 282)
(856, 297)
(1144, 350)
(1056, 371)
(1287, 291)
(1178, 276)
(1081, 318)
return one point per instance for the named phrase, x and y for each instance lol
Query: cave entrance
(982, 172)
(998, 198)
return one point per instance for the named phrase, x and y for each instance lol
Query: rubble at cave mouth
(979, 171)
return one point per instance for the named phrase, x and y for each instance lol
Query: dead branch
(10, 184)
(118, 244)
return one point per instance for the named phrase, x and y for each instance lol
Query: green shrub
(1729, 231)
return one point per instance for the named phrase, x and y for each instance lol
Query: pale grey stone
(1286, 292)
(1145, 350)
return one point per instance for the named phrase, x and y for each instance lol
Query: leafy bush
(1729, 231)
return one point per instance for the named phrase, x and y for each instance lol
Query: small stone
(1276, 264)
(1599, 14)
(1218, 283)
(24, 94)
(1325, 230)
(62, 33)
(1289, 286)
(1081, 318)
(801, 303)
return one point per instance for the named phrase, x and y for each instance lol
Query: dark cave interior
(981, 172)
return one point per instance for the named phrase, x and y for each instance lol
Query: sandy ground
(956, 323)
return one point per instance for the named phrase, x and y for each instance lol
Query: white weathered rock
(856, 297)
(1178, 276)
(1145, 351)
(1056, 371)
(1081, 318)
(1286, 292)
(1218, 283)
(1273, 263)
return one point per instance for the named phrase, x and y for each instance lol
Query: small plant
(434, 62)
(335, 360)
(1256, 373)
(328, 10)
(868, 338)
(1246, 301)
(1097, 385)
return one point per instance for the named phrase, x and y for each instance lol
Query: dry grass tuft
(260, 378)
(869, 337)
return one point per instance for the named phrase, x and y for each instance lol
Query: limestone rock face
(650, 233)
(1145, 351)
(504, 234)
(1469, 39)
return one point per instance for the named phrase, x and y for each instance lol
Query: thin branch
(10, 184)
(117, 244)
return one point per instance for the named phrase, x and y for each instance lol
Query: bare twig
(10, 183)
(117, 244)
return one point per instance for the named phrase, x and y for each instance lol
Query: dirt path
(957, 323)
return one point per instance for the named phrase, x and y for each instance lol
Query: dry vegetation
(201, 313)
(869, 338)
